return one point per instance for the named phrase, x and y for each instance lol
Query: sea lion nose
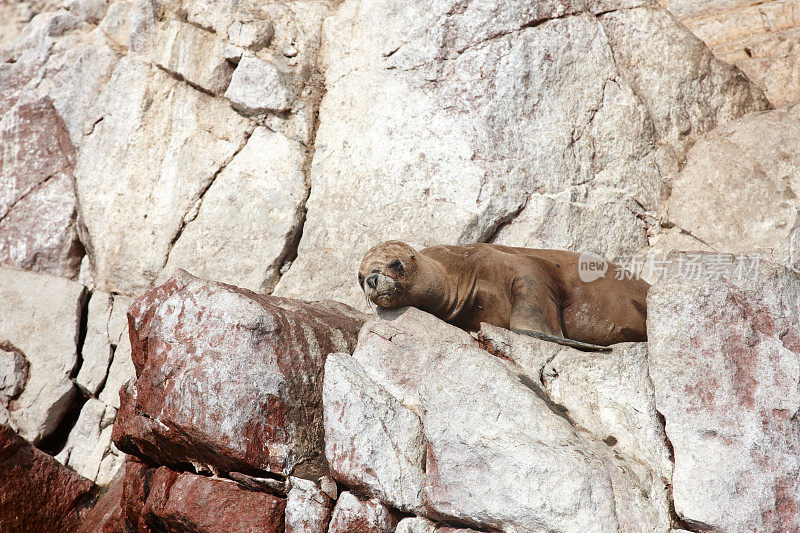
(372, 281)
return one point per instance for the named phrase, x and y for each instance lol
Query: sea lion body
(520, 289)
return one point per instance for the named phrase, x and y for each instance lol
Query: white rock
(686, 90)
(258, 86)
(738, 191)
(89, 442)
(365, 516)
(328, 485)
(157, 182)
(248, 218)
(372, 442)
(505, 105)
(610, 395)
(119, 373)
(40, 316)
(97, 349)
(13, 374)
(415, 525)
(194, 54)
(251, 34)
(308, 508)
(91, 11)
(725, 363)
(497, 454)
(105, 327)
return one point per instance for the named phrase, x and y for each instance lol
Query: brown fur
(513, 288)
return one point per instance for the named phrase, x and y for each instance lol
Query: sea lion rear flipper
(584, 346)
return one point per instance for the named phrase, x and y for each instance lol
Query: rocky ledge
(258, 413)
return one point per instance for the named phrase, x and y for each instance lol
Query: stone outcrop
(228, 380)
(38, 494)
(725, 362)
(738, 191)
(39, 323)
(760, 37)
(267, 145)
(468, 437)
(566, 118)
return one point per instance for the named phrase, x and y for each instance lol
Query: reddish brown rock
(106, 515)
(354, 515)
(134, 493)
(160, 499)
(229, 380)
(36, 492)
(38, 204)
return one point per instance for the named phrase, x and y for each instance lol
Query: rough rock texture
(365, 427)
(39, 320)
(164, 500)
(36, 492)
(611, 395)
(106, 325)
(576, 111)
(252, 211)
(203, 135)
(88, 450)
(229, 380)
(352, 514)
(258, 87)
(738, 191)
(492, 439)
(105, 516)
(760, 37)
(191, 53)
(308, 508)
(37, 196)
(725, 362)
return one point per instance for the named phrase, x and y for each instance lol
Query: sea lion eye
(361, 280)
(397, 266)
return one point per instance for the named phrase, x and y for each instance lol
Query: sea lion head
(386, 273)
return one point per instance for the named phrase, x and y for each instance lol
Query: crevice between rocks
(283, 262)
(198, 204)
(30, 191)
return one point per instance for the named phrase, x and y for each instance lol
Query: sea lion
(536, 292)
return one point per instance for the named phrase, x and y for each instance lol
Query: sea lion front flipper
(584, 346)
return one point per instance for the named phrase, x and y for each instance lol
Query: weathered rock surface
(558, 107)
(738, 191)
(39, 320)
(492, 441)
(611, 395)
(725, 363)
(759, 37)
(308, 508)
(37, 197)
(373, 443)
(258, 87)
(252, 211)
(36, 492)
(229, 380)
(162, 499)
(203, 136)
(352, 514)
(88, 450)
(192, 53)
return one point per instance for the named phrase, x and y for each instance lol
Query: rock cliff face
(265, 146)
(760, 37)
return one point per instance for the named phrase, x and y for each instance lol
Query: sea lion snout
(385, 270)
(379, 287)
